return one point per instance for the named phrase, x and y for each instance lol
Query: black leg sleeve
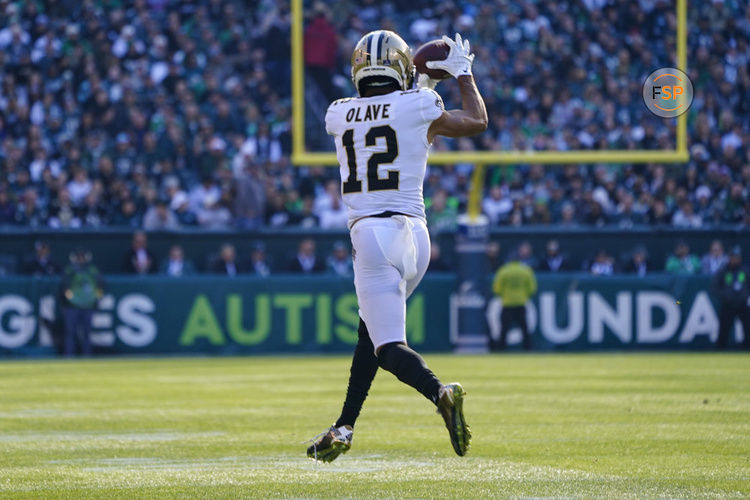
(409, 368)
(361, 375)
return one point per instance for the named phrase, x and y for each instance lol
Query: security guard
(515, 283)
(730, 285)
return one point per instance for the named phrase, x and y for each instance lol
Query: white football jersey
(381, 146)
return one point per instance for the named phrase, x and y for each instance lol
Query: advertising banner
(292, 314)
(583, 312)
(286, 314)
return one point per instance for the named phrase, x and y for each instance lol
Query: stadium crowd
(159, 114)
(306, 258)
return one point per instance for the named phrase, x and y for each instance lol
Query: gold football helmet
(382, 53)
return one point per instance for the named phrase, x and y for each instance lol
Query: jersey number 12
(374, 182)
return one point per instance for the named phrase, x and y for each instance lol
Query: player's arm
(472, 118)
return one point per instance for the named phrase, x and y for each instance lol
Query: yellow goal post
(301, 156)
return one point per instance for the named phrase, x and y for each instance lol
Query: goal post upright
(298, 82)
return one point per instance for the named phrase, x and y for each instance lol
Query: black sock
(364, 367)
(409, 368)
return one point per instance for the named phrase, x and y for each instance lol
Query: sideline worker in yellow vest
(515, 283)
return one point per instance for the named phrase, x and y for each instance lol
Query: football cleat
(450, 405)
(328, 445)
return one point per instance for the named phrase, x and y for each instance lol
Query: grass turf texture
(646, 425)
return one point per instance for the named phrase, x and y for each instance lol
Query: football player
(382, 140)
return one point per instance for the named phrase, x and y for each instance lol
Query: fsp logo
(668, 92)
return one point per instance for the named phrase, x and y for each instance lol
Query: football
(435, 50)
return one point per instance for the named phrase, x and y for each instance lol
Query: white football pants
(390, 258)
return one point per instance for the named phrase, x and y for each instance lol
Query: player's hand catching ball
(459, 60)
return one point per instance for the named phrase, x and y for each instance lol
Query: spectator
(526, 255)
(441, 213)
(340, 260)
(321, 50)
(496, 206)
(180, 205)
(7, 209)
(126, 215)
(79, 187)
(554, 261)
(259, 264)
(325, 198)
(305, 261)
(603, 264)
(62, 213)
(41, 264)
(266, 144)
(595, 214)
(715, 259)
(81, 288)
(304, 218)
(514, 283)
(216, 214)
(204, 195)
(704, 204)
(493, 255)
(568, 215)
(336, 216)
(638, 263)
(28, 211)
(658, 214)
(626, 215)
(685, 217)
(176, 265)
(139, 259)
(682, 261)
(277, 214)
(731, 287)
(160, 218)
(734, 204)
(226, 262)
(94, 212)
(250, 200)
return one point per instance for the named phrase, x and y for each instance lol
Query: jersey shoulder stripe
(343, 100)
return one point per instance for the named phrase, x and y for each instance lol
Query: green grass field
(612, 426)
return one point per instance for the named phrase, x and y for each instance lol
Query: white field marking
(105, 436)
